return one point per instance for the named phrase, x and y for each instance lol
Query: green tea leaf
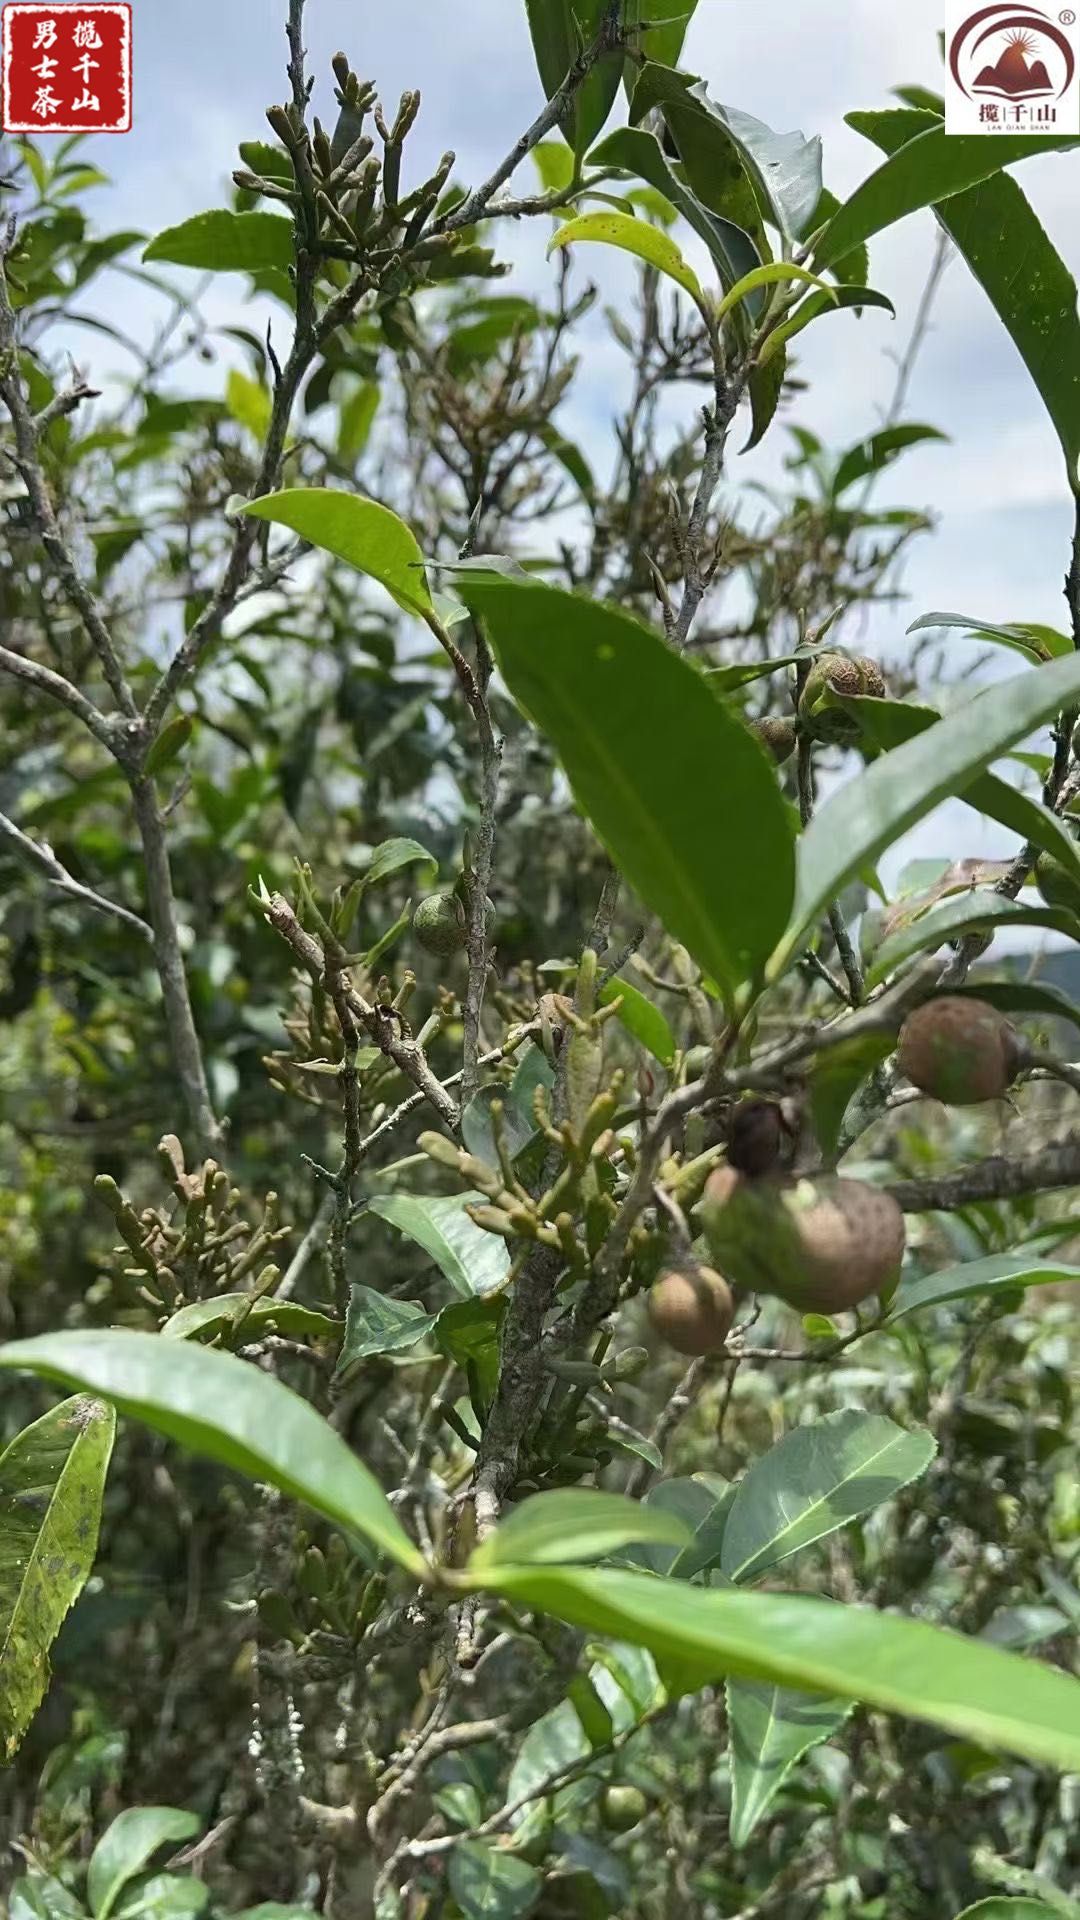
(815, 1480)
(878, 451)
(377, 1323)
(224, 242)
(733, 251)
(390, 856)
(362, 532)
(1042, 643)
(648, 243)
(575, 1523)
(770, 1728)
(561, 30)
(888, 723)
(205, 1318)
(473, 1261)
(126, 1846)
(220, 1406)
(998, 1700)
(37, 1896)
(52, 1479)
(998, 1273)
(919, 172)
(813, 307)
(867, 814)
(492, 1885)
(651, 753)
(784, 169)
(994, 226)
(164, 1896)
(767, 276)
(641, 1017)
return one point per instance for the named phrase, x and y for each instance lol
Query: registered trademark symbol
(1068, 18)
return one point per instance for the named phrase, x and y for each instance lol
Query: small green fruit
(778, 737)
(439, 924)
(959, 1051)
(1059, 888)
(622, 1808)
(833, 677)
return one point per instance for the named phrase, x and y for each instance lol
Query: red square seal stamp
(67, 67)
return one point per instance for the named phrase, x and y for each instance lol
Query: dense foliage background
(229, 749)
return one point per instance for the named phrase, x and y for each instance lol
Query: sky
(205, 70)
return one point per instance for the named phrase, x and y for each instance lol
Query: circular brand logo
(1013, 53)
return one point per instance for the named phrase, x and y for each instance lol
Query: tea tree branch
(27, 458)
(997, 1178)
(40, 855)
(381, 1024)
(184, 1039)
(478, 203)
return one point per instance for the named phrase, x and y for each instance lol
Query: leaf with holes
(52, 1480)
(647, 243)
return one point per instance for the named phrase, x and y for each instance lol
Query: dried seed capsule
(959, 1050)
(822, 1245)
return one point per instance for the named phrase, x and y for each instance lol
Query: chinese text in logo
(67, 68)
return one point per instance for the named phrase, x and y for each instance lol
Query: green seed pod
(439, 924)
(833, 677)
(622, 1808)
(1059, 888)
(276, 1617)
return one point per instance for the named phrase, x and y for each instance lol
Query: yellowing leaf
(657, 249)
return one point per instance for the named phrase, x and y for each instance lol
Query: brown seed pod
(757, 1130)
(959, 1050)
(692, 1309)
(822, 1245)
(778, 737)
(837, 674)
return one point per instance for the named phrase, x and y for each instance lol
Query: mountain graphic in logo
(1015, 76)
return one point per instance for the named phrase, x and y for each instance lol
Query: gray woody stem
(476, 205)
(1057, 1165)
(183, 1038)
(27, 459)
(38, 854)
